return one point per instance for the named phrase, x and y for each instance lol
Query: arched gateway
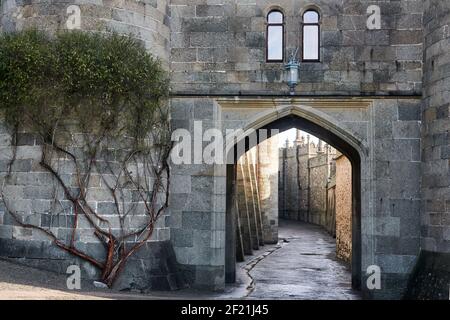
(385, 186)
(323, 127)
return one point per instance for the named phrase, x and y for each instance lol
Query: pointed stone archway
(319, 124)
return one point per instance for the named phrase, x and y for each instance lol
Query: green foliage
(25, 70)
(109, 84)
(97, 103)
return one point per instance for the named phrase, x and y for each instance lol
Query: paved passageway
(305, 267)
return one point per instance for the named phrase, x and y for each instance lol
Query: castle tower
(147, 21)
(298, 138)
(432, 277)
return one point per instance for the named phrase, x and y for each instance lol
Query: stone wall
(289, 189)
(432, 274)
(257, 198)
(436, 122)
(305, 169)
(217, 51)
(219, 48)
(343, 207)
(268, 188)
(198, 199)
(32, 190)
(147, 20)
(249, 202)
(319, 168)
(331, 208)
(35, 195)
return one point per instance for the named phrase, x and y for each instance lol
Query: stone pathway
(303, 267)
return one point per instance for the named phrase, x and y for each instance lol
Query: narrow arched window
(275, 36)
(311, 36)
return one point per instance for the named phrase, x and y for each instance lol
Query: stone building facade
(304, 178)
(378, 95)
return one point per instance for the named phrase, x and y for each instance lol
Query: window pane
(275, 17)
(311, 17)
(311, 42)
(275, 43)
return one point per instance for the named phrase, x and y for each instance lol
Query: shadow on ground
(301, 267)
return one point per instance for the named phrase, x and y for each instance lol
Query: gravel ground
(18, 282)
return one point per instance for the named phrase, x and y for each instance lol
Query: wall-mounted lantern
(292, 75)
(292, 72)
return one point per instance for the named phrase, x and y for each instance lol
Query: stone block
(409, 111)
(182, 238)
(402, 264)
(184, 55)
(196, 220)
(387, 226)
(405, 37)
(209, 10)
(6, 232)
(202, 239)
(205, 276)
(406, 129)
(163, 234)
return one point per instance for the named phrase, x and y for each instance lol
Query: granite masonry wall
(432, 274)
(218, 56)
(343, 208)
(219, 48)
(305, 170)
(33, 193)
(366, 90)
(252, 223)
(31, 190)
(147, 20)
(268, 186)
